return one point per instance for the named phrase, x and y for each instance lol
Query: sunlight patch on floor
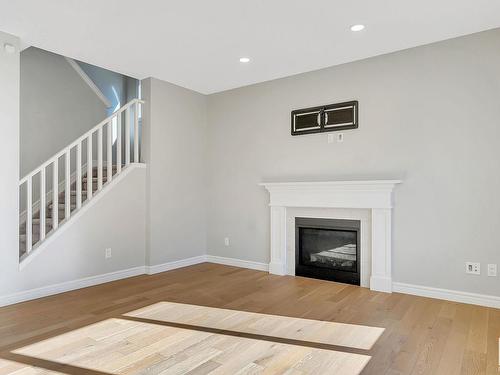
(284, 327)
(12, 367)
(123, 346)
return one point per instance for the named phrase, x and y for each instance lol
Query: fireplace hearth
(328, 249)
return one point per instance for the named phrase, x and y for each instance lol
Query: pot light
(357, 27)
(244, 59)
(9, 48)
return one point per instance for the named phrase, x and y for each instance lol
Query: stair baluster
(42, 204)
(79, 175)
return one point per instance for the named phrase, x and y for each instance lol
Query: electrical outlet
(473, 268)
(107, 253)
(492, 269)
(226, 241)
(330, 138)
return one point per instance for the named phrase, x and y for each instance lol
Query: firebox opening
(328, 249)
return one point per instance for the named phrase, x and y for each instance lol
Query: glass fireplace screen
(328, 248)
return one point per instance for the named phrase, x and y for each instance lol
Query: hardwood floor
(231, 319)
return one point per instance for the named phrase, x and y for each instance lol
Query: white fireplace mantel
(373, 195)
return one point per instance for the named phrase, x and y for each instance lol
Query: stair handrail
(60, 153)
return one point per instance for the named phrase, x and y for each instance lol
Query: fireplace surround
(372, 198)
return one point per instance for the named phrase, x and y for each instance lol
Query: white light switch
(226, 241)
(492, 269)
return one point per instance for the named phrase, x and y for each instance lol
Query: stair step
(104, 170)
(62, 206)
(35, 237)
(73, 193)
(48, 221)
(94, 186)
(95, 179)
(35, 228)
(50, 211)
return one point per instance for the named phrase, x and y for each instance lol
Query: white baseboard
(447, 294)
(418, 290)
(238, 263)
(151, 270)
(69, 285)
(208, 259)
(123, 274)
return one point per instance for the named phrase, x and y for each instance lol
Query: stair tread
(62, 205)
(47, 220)
(104, 178)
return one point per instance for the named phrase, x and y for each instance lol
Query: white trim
(88, 81)
(96, 280)
(69, 285)
(237, 263)
(336, 194)
(65, 224)
(447, 294)
(151, 270)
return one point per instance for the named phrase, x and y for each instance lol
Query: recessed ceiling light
(244, 59)
(357, 27)
(9, 48)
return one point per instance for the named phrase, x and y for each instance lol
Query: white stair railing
(113, 122)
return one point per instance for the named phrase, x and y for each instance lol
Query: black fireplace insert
(328, 249)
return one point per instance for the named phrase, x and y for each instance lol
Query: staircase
(79, 181)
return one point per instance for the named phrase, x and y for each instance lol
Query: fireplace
(328, 249)
(347, 199)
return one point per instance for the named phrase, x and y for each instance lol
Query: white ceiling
(197, 43)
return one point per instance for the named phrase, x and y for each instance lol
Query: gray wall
(429, 116)
(174, 147)
(57, 106)
(116, 87)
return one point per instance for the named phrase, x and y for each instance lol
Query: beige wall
(428, 115)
